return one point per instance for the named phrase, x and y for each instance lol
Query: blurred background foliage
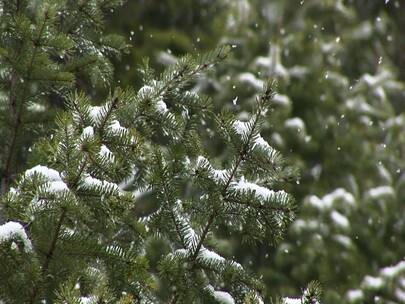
(338, 116)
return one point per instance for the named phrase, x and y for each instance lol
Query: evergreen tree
(162, 30)
(47, 47)
(340, 119)
(77, 229)
(137, 199)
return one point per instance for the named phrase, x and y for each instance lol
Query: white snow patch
(105, 152)
(330, 199)
(354, 295)
(395, 121)
(298, 71)
(223, 297)
(381, 192)
(90, 181)
(360, 105)
(145, 91)
(343, 240)
(400, 294)
(259, 191)
(210, 255)
(116, 127)
(190, 236)
(57, 186)
(377, 79)
(259, 141)
(96, 113)
(363, 31)
(86, 300)
(318, 203)
(372, 282)
(11, 230)
(87, 132)
(219, 176)
(339, 219)
(50, 174)
(182, 252)
(166, 59)
(13, 191)
(241, 127)
(262, 61)
(54, 184)
(36, 107)
(251, 80)
(282, 100)
(301, 224)
(292, 301)
(272, 63)
(161, 106)
(295, 123)
(277, 139)
(214, 257)
(393, 271)
(339, 194)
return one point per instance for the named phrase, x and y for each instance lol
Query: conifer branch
(110, 110)
(222, 53)
(80, 172)
(241, 156)
(173, 218)
(49, 255)
(18, 109)
(273, 208)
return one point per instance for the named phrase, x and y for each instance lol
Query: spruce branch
(17, 107)
(241, 156)
(169, 203)
(49, 255)
(188, 70)
(111, 107)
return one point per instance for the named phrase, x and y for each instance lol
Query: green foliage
(337, 112)
(47, 48)
(73, 212)
(161, 30)
(161, 180)
(80, 219)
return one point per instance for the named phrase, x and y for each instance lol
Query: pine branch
(169, 202)
(222, 53)
(18, 113)
(79, 175)
(110, 110)
(273, 208)
(13, 109)
(49, 255)
(241, 156)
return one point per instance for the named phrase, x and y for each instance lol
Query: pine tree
(47, 48)
(340, 120)
(161, 30)
(131, 173)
